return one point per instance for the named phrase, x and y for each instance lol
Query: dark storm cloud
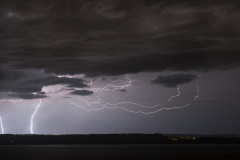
(34, 83)
(174, 80)
(123, 90)
(9, 75)
(70, 82)
(80, 36)
(81, 92)
(179, 61)
(23, 84)
(101, 38)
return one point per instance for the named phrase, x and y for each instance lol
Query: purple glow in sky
(135, 66)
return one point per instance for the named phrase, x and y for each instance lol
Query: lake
(117, 152)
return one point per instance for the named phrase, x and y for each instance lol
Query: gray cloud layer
(174, 80)
(100, 38)
(81, 92)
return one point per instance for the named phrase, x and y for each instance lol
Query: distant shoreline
(32, 139)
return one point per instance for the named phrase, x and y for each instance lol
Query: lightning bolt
(198, 91)
(89, 103)
(7, 100)
(112, 87)
(34, 113)
(179, 93)
(1, 124)
(116, 106)
(152, 112)
(112, 104)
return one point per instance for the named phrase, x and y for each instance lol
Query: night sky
(120, 66)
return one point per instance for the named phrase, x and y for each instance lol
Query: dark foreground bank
(120, 152)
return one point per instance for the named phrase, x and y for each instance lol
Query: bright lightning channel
(1, 124)
(179, 93)
(152, 112)
(7, 100)
(105, 106)
(113, 87)
(89, 103)
(198, 91)
(116, 106)
(34, 113)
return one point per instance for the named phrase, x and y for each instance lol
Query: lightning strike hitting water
(34, 113)
(1, 124)
(178, 89)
